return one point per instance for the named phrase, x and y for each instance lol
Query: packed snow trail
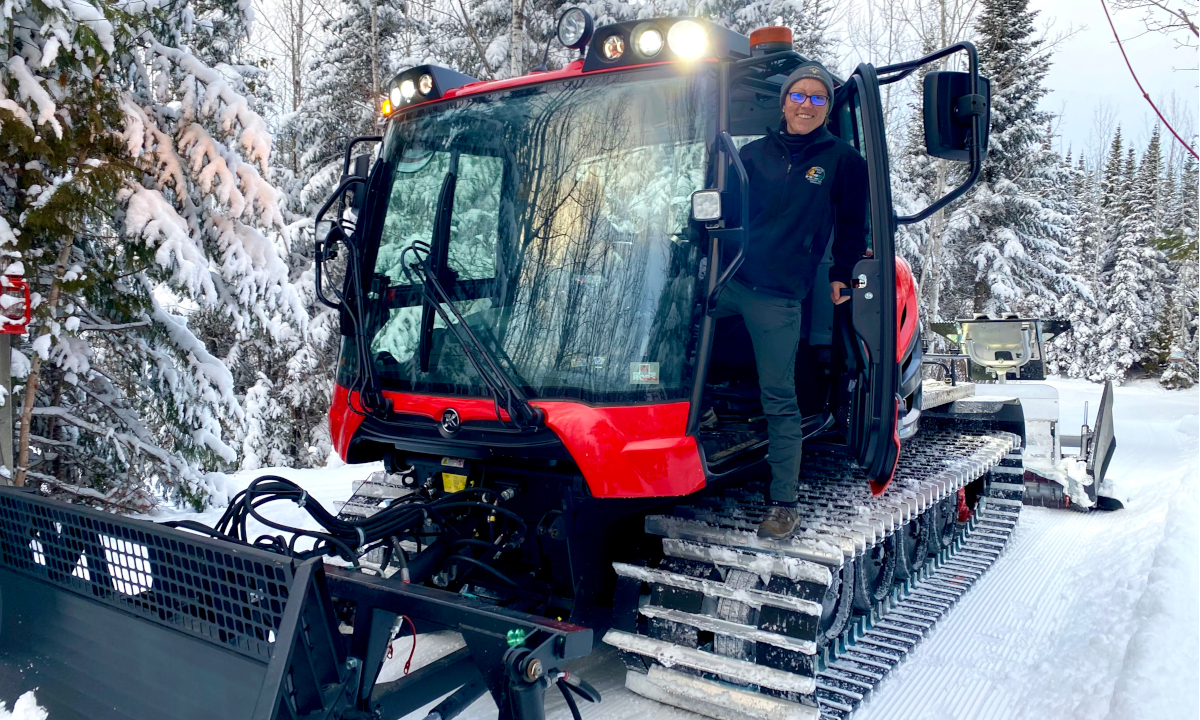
(1085, 616)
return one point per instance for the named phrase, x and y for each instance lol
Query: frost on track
(25, 708)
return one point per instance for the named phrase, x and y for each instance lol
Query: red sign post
(14, 320)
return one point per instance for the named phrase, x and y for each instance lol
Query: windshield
(568, 251)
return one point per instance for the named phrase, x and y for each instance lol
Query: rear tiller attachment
(113, 618)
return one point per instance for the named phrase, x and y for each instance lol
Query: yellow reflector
(613, 47)
(453, 483)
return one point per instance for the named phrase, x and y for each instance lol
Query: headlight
(613, 48)
(647, 39)
(408, 89)
(425, 84)
(394, 96)
(575, 28)
(687, 39)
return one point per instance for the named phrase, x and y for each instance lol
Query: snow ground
(1086, 616)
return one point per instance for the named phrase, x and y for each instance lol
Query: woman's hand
(837, 296)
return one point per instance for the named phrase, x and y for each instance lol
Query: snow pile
(25, 708)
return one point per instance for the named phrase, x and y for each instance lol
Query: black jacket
(801, 188)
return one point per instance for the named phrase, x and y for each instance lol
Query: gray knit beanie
(810, 69)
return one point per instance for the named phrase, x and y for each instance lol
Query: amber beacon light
(770, 39)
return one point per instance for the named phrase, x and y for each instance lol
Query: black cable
(562, 687)
(351, 539)
(482, 565)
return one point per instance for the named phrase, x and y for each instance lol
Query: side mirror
(949, 107)
(356, 195)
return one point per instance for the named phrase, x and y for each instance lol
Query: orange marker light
(387, 106)
(771, 35)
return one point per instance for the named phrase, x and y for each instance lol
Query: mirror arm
(901, 70)
(350, 148)
(322, 250)
(907, 67)
(741, 234)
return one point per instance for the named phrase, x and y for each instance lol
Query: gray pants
(774, 325)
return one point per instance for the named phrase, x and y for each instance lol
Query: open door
(956, 125)
(875, 435)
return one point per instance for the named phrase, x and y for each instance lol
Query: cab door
(874, 431)
(956, 108)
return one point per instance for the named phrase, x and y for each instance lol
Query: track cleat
(780, 521)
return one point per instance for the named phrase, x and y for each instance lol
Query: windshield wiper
(506, 393)
(437, 256)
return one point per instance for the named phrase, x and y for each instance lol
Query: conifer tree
(1134, 285)
(1008, 238)
(145, 212)
(1071, 353)
(1178, 321)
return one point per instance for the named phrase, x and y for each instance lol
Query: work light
(687, 39)
(706, 205)
(647, 39)
(575, 28)
(425, 84)
(408, 89)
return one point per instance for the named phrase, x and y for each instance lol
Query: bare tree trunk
(375, 59)
(516, 39)
(35, 367)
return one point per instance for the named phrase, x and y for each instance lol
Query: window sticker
(643, 373)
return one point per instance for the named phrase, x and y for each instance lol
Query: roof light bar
(662, 40)
(421, 84)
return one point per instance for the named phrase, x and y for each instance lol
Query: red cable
(412, 652)
(1139, 83)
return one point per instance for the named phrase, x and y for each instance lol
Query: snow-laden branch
(219, 101)
(150, 217)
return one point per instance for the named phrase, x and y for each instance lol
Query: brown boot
(779, 522)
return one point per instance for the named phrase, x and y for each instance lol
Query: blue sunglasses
(817, 100)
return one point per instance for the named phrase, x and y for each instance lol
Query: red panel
(625, 451)
(343, 422)
(906, 308)
(878, 486)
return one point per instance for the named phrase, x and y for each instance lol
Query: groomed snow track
(737, 627)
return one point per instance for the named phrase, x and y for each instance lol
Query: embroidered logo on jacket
(815, 175)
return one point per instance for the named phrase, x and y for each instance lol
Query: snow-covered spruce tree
(1009, 238)
(1112, 190)
(1055, 188)
(1178, 321)
(1134, 290)
(1071, 353)
(61, 171)
(124, 402)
